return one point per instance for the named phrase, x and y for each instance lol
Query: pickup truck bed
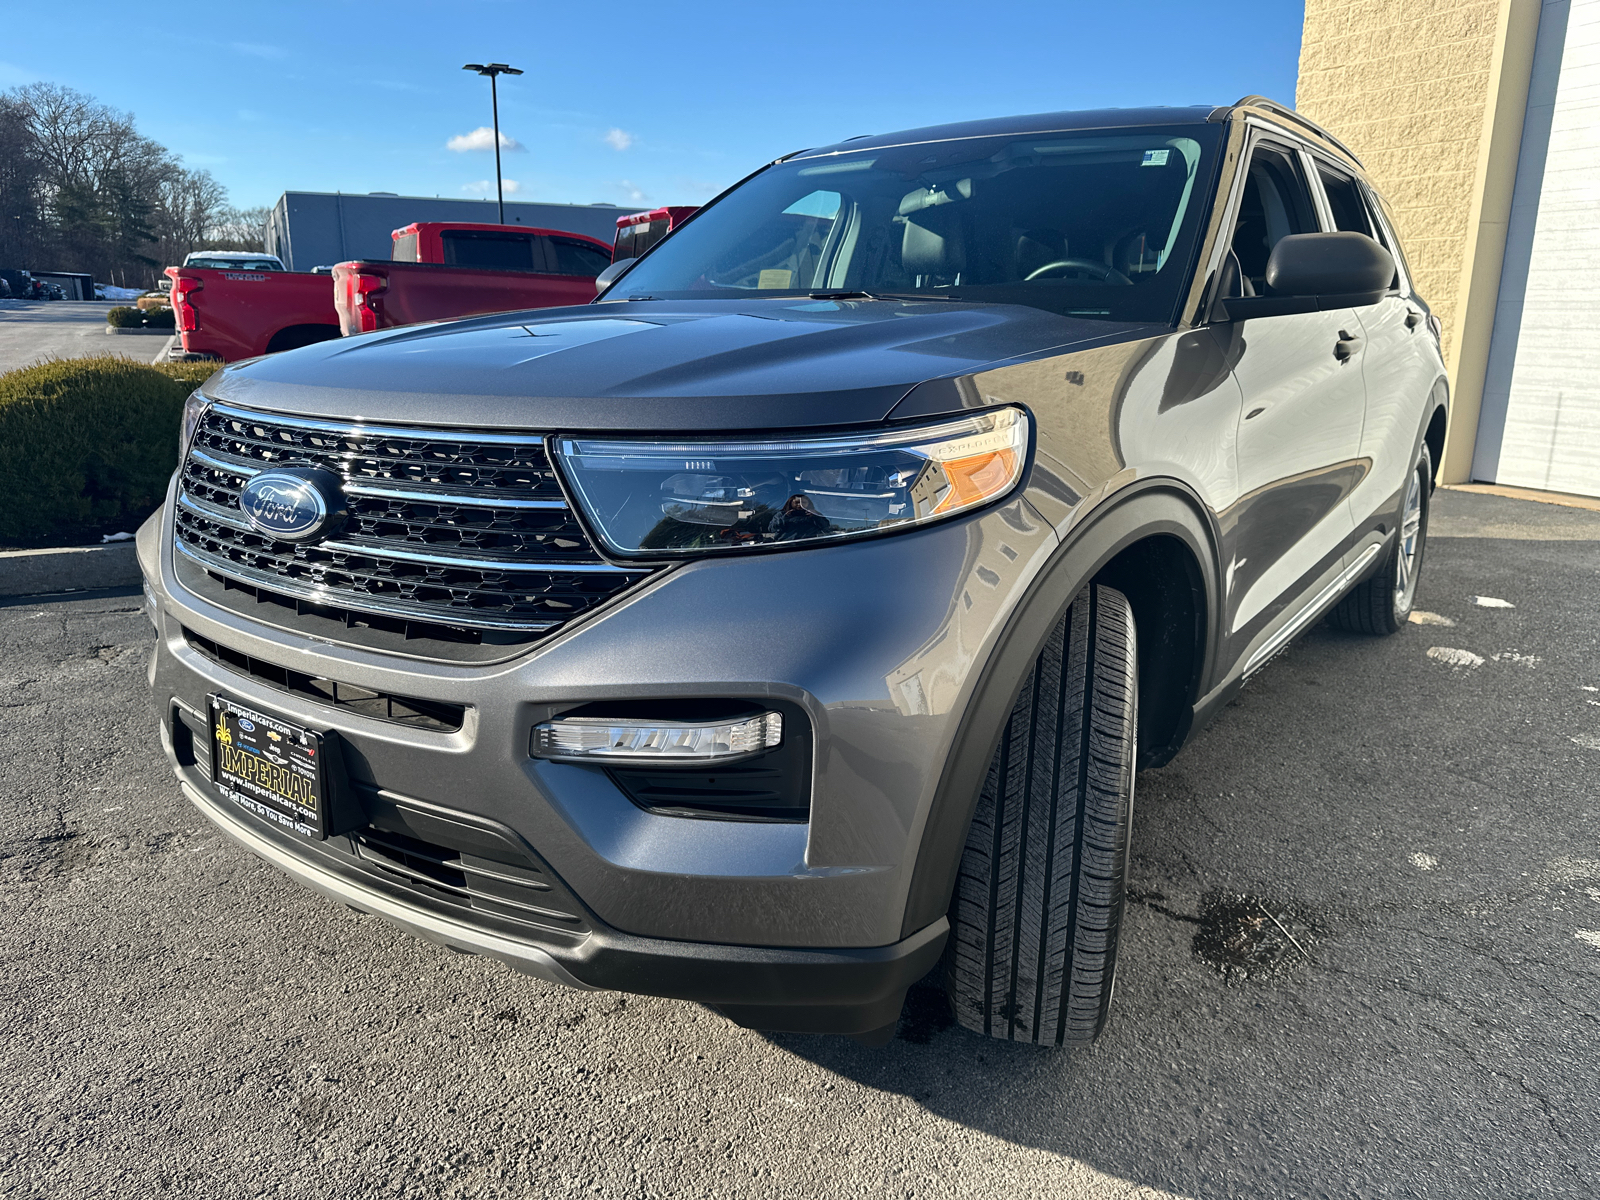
(442, 271)
(239, 314)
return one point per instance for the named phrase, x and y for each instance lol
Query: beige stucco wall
(1430, 94)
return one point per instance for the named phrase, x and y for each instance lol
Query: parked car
(5, 288)
(638, 232)
(794, 619)
(233, 260)
(230, 314)
(442, 270)
(22, 283)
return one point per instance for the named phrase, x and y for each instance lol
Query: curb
(68, 569)
(115, 330)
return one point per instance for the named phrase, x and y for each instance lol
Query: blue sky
(632, 103)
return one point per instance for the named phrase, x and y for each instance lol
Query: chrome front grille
(465, 531)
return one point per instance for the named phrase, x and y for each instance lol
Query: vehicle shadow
(1359, 1043)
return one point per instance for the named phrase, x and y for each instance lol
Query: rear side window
(574, 257)
(483, 248)
(1383, 230)
(1276, 203)
(1344, 201)
(405, 248)
(624, 247)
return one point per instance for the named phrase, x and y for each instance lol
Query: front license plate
(269, 766)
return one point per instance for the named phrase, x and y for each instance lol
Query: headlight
(653, 499)
(193, 408)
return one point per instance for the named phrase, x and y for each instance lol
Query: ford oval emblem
(294, 505)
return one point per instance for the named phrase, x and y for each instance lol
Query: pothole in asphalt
(1243, 935)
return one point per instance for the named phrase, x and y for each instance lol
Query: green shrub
(160, 318)
(87, 443)
(123, 317)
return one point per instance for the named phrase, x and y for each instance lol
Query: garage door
(1540, 422)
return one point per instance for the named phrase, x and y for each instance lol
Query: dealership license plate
(269, 766)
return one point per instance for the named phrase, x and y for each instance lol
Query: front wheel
(1038, 906)
(1382, 603)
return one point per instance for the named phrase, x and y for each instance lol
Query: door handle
(1347, 345)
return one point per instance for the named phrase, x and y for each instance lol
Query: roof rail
(1289, 114)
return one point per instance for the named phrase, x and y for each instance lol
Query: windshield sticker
(775, 278)
(1155, 158)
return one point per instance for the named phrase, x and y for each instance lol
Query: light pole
(492, 70)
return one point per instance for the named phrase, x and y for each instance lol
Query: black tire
(1038, 904)
(1381, 604)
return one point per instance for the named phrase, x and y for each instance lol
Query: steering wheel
(1086, 266)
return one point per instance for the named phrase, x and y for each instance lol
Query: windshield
(1082, 224)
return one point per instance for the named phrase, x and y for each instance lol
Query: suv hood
(656, 365)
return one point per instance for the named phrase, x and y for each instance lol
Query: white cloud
(481, 138)
(619, 139)
(485, 187)
(632, 192)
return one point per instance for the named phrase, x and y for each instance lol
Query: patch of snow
(1491, 602)
(1589, 937)
(1521, 660)
(1423, 862)
(1418, 617)
(1455, 658)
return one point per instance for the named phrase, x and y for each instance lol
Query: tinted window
(1082, 224)
(624, 247)
(484, 248)
(1344, 201)
(405, 248)
(1383, 229)
(574, 257)
(1276, 203)
(233, 264)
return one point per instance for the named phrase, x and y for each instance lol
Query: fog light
(611, 739)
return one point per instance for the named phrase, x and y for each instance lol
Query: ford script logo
(295, 504)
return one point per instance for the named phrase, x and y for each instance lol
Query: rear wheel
(1038, 905)
(1382, 603)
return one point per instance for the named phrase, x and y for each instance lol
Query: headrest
(924, 251)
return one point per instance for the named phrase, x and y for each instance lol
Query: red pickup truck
(443, 270)
(638, 232)
(234, 314)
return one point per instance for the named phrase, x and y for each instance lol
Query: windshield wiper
(878, 296)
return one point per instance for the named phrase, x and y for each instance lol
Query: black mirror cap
(1329, 264)
(609, 276)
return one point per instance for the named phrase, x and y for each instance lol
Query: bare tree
(81, 189)
(239, 229)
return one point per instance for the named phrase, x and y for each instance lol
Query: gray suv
(791, 622)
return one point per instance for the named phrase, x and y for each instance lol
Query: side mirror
(610, 275)
(1330, 264)
(1308, 272)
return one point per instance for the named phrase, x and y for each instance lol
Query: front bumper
(807, 991)
(783, 926)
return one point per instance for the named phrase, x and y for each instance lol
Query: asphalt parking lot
(34, 330)
(1416, 815)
